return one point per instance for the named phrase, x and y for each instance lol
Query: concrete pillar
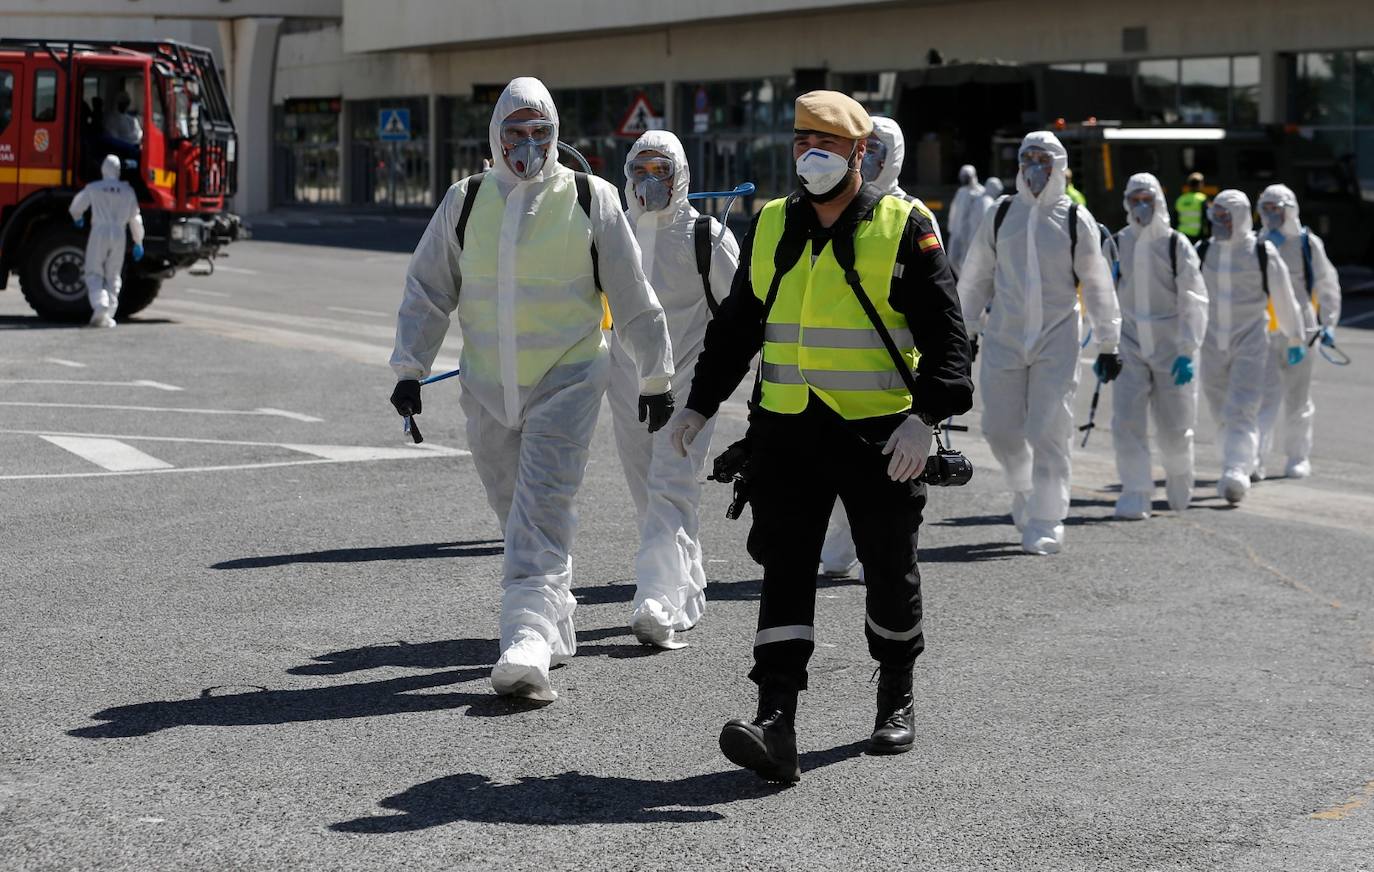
(345, 152)
(436, 192)
(670, 106)
(250, 53)
(1273, 99)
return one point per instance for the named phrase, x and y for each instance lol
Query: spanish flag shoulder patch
(928, 242)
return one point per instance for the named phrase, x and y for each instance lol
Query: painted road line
(273, 413)
(60, 361)
(140, 383)
(205, 293)
(284, 319)
(236, 269)
(348, 311)
(322, 451)
(108, 454)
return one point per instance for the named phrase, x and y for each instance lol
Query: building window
(6, 99)
(308, 153)
(1331, 98)
(45, 95)
(390, 173)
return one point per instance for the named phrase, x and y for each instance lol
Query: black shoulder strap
(1202, 247)
(1262, 252)
(1173, 253)
(701, 240)
(997, 219)
(1307, 260)
(1073, 242)
(469, 198)
(843, 247)
(584, 199)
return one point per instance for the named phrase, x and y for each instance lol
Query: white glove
(909, 446)
(683, 429)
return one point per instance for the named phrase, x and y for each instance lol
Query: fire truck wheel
(136, 294)
(53, 279)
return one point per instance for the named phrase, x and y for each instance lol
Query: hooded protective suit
(1236, 345)
(1030, 344)
(838, 555)
(670, 589)
(1163, 317)
(114, 206)
(965, 215)
(992, 191)
(535, 364)
(1290, 387)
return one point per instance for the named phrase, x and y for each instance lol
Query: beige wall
(888, 37)
(97, 9)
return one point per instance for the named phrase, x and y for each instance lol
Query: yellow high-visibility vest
(818, 339)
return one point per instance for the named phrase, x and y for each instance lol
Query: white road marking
(348, 311)
(140, 383)
(317, 450)
(1358, 319)
(283, 319)
(274, 413)
(108, 454)
(205, 293)
(64, 362)
(236, 269)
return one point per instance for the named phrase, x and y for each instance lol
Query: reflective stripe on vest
(818, 338)
(553, 286)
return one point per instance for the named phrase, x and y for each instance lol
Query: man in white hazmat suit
(965, 214)
(511, 250)
(1244, 274)
(114, 207)
(673, 239)
(1163, 319)
(1025, 261)
(1316, 284)
(992, 192)
(884, 153)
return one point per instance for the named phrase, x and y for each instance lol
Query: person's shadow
(428, 550)
(445, 654)
(572, 798)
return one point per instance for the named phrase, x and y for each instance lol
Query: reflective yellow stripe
(164, 178)
(31, 176)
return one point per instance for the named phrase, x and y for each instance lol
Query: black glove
(406, 397)
(657, 409)
(973, 346)
(1108, 367)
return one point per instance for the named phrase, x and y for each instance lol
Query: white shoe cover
(652, 626)
(1180, 491)
(1298, 468)
(523, 669)
(1019, 501)
(1233, 486)
(840, 571)
(1042, 537)
(101, 318)
(1133, 506)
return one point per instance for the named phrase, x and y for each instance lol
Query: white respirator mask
(823, 173)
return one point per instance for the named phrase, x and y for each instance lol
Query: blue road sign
(393, 125)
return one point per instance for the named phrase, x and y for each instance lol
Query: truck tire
(53, 278)
(136, 294)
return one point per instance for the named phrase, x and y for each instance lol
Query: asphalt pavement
(244, 624)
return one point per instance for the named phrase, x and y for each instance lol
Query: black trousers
(800, 464)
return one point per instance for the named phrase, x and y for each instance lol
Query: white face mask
(821, 171)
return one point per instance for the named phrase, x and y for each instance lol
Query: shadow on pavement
(33, 322)
(263, 707)
(445, 654)
(474, 548)
(972, 553)
(572, 798)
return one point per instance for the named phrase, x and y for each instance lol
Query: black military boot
(768, 745)
(894, 729)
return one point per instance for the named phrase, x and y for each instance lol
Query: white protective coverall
(1030, 344)
(535, 364)
(670, 579)
(965, 215)
(1290, 387)
(839, 558)
(1236, 344)
(114, 206)
(1163, 317)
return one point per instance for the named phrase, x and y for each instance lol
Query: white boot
(652, 625)
(1298, 468)
(523, 669)
(1133, 506)
(1179, 489)
(1019, 501)
(1233, 486)
(1042, 537)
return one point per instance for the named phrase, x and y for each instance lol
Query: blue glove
(1183, 369)
(79, 221)
(1296, 354)
(138, 251)
(1328, 337)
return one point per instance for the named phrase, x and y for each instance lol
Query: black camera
(732, 467)
(947, 468)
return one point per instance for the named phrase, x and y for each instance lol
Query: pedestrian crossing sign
(640, 118)
(393, 125)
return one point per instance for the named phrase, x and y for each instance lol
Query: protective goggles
(1140, 198)
(1219, 215)
(1036, 156)
(876, 149)
(1272, 207)
(537, 131)
(661, 168)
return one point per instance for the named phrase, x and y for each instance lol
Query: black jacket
(925, 294)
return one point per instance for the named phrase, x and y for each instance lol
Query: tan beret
(834, 113)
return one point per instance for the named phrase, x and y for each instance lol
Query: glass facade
(307, 140)
(390, 173)
(1216, 90)
(737, 131)
(1331, 98)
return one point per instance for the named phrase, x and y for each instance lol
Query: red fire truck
(60, 117)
